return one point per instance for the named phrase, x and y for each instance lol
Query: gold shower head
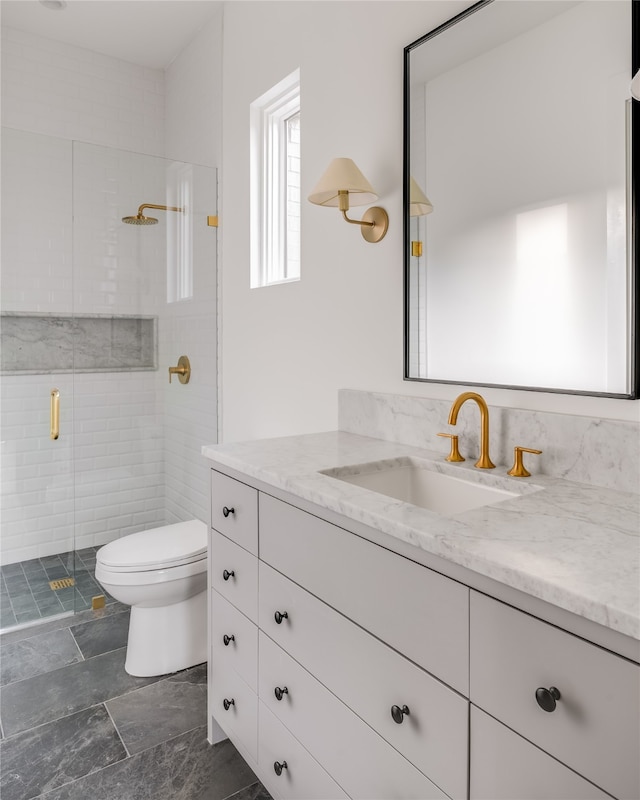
(140, 219)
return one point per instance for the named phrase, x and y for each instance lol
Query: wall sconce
(419, 203)
(343, 185)
(419, 206)
(635, 85)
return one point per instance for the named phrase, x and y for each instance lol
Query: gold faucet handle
(518, 470)
(183, 370)
(454, 455)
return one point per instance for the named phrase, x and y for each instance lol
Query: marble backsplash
(48, 343)
(588, 450)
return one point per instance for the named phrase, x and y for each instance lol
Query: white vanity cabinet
(418, 612)
(504, 766)
(368, 652)
(357, 672)
(577, 702)
(233, 612)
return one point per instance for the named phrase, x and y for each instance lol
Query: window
(275, 184)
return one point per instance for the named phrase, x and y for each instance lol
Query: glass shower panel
(145, 294)
(36, 476)
(99, 310)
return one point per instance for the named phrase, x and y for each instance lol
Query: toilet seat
(156, 549)
(108, 577)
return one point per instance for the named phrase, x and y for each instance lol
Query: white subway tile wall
(60, 90)
(118, 458)
(118, 268)
(37, 208)
(189, 413)
(36, 481)
(128, 457)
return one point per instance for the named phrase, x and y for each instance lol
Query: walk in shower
(98, 310)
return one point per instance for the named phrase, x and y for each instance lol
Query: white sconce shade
(343, 185)
(635, 85)
(419, 203)
(342, 175)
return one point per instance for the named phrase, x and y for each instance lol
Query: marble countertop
(573, 545)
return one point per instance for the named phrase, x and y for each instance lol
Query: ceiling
(146, 32)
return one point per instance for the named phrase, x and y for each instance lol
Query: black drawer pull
(398, 713)
(226, 574)
(278, 766)
(546, 698)
(280, 693)
(227, 639)
(226, 511)
(228, 703)
(279, 616)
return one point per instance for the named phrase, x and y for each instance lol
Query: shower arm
(159, 208)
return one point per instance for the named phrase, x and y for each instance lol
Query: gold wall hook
(518, 469)
(454, 454)
(183, 370)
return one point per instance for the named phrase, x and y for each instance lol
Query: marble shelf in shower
(52, 343)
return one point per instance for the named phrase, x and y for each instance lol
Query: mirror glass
(519, 258)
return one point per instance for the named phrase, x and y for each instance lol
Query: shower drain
(63, 583)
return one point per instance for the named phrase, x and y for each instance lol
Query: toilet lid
(157, 548)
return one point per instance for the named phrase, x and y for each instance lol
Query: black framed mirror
(520, 198)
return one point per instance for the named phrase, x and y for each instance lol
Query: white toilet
(162, 574)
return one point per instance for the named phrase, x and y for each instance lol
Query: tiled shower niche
(50, 343)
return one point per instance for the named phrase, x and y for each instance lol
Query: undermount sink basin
(421, 483)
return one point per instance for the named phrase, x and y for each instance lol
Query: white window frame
(268, 182)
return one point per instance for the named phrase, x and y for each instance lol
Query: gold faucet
(484, 462)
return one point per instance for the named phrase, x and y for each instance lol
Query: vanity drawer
(234, 574)
(370, 678)
(234, 510)
(504, 766)
(361, 761)
(234, 640)
(238, 719)
(417, 611)
(594, 727)
(303, 778)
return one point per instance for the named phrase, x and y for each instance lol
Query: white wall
(286, 350)
(57, 89)
(193, 83)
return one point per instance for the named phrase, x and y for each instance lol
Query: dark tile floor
(74, 725)
(25, 591)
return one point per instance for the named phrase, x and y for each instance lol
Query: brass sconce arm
(343, 200)
(374, 222)
(357, 221)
